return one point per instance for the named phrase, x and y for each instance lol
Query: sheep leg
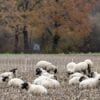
(89, 69)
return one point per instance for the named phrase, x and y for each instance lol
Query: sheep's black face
(25, 86)
(55, 71)
(38, 71)
(4, 79)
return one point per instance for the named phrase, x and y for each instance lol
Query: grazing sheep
(70, 68)
(81, 67)
(49, 67)
(90, 83)
(42, 72)
(77, 80)
(11, 74)
(76, 74)
(46, 82)
(15, 82)
(34, 89)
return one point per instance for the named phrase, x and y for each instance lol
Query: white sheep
(34, 89)
(8, 75)
(77, 79)
(90, 83)
(71, 68)
(42, 72)
(46, 82)
(76, 74)
(15, 82)
(49, 67)
(81, 67)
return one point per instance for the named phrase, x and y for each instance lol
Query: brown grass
(26, 70)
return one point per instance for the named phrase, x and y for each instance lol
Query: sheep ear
(13, 70)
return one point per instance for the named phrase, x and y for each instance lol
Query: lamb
(49, 67)
(76, 80)
(46, 82)
(9, 75)
(42, 72)
(34, 89)
(90, 83)
(15, 82)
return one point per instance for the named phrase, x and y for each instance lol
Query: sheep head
(25, 85)
(38, 71)
(4, 79)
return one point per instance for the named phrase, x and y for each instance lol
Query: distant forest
(49, 26)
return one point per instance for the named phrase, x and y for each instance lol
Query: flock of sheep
(46, 79)
(80, 74)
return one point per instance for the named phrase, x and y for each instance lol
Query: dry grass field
(26, 70)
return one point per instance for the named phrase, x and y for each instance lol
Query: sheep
(46, 82)
(34, 89)
(81, 67)
(9, 75)
(90, 83)
(15, 82)
(70, 68)
(76, 80)
(84, 66)
(42, 72)
(49, 67)
(76, 74)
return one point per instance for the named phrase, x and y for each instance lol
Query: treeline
(48, 26)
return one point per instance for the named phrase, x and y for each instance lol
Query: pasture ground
(26, 70)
